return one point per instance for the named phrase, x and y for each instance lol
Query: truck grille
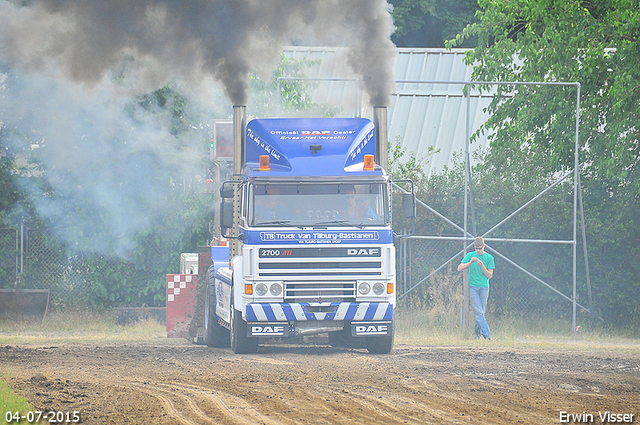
(316, 268)
(320, 274)
(300, 292)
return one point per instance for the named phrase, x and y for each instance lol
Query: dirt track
(190, 384)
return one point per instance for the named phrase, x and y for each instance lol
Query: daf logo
(267, 330)
(371, 252)
(316, 132)
(371, 329)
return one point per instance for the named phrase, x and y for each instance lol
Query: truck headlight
(275, 289)
(261, 289)
(364, 288)
(378, 288)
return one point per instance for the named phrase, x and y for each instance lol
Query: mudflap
(367, 329)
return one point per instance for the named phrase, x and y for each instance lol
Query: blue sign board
(280, 237)
(310, 146)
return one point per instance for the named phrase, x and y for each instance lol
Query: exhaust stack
(239, 143)
(239, 136)
(382, 144)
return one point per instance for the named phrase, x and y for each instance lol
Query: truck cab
(312, 246)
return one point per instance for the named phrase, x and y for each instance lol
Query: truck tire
(214, 334)
(240, 342)
(380, 344)
(343, 339)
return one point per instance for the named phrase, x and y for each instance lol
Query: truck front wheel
(240, 342)
(214, 334)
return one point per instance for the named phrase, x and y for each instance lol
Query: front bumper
(345, 311)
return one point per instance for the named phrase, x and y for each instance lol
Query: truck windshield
(318, 205)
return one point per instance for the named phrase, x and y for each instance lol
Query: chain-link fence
(9, 256)
(39, 260)
(425, 262)
(48, 267)
(426, 274)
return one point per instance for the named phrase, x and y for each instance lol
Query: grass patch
(83, 327)
(442, 328)
(10, 402)
(416, 324)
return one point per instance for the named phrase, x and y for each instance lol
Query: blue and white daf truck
(311, 244)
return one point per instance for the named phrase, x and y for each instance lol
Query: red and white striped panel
(182, 294)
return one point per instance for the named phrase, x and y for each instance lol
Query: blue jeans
(478, 298)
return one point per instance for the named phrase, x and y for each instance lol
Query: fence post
(464, 309)
(15, 284)
(403, 249)
(20, 275)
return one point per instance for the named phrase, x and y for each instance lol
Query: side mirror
(409, 205)
(226, 214)
(226, 191)
(226, 206)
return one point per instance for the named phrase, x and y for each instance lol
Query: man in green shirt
(480, 265)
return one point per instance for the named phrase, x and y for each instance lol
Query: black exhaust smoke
(107, 154)
(193, 39)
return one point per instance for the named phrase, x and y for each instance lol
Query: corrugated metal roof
(422, 116)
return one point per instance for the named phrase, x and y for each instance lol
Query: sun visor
(310, 146)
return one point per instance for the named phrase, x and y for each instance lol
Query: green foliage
(18, 170)
(593, 43)
(407, 166)
(9, 192)
(502, 185)
(293, 96)
(532, 129)
(116, 230)
(443, 191)
(427, 23)
(12, 402)
(169, 104)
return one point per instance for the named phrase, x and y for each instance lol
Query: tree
(293, 96)
(593, 43)
(532, 128)
(427, 23)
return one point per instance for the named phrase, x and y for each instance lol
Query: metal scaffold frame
(468, 195)
(468, 236)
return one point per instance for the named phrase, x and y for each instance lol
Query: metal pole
(576, 179)
(21, 254)
(461, 238)
(216, 202)
(239, 142)
(584, 249)
(403, 250)
(15, 285)
(465, 287)
(468, 136)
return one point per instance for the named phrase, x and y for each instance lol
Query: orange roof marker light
(265, 165)
(368, 163)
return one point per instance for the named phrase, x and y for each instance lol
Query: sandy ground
(317, 384)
